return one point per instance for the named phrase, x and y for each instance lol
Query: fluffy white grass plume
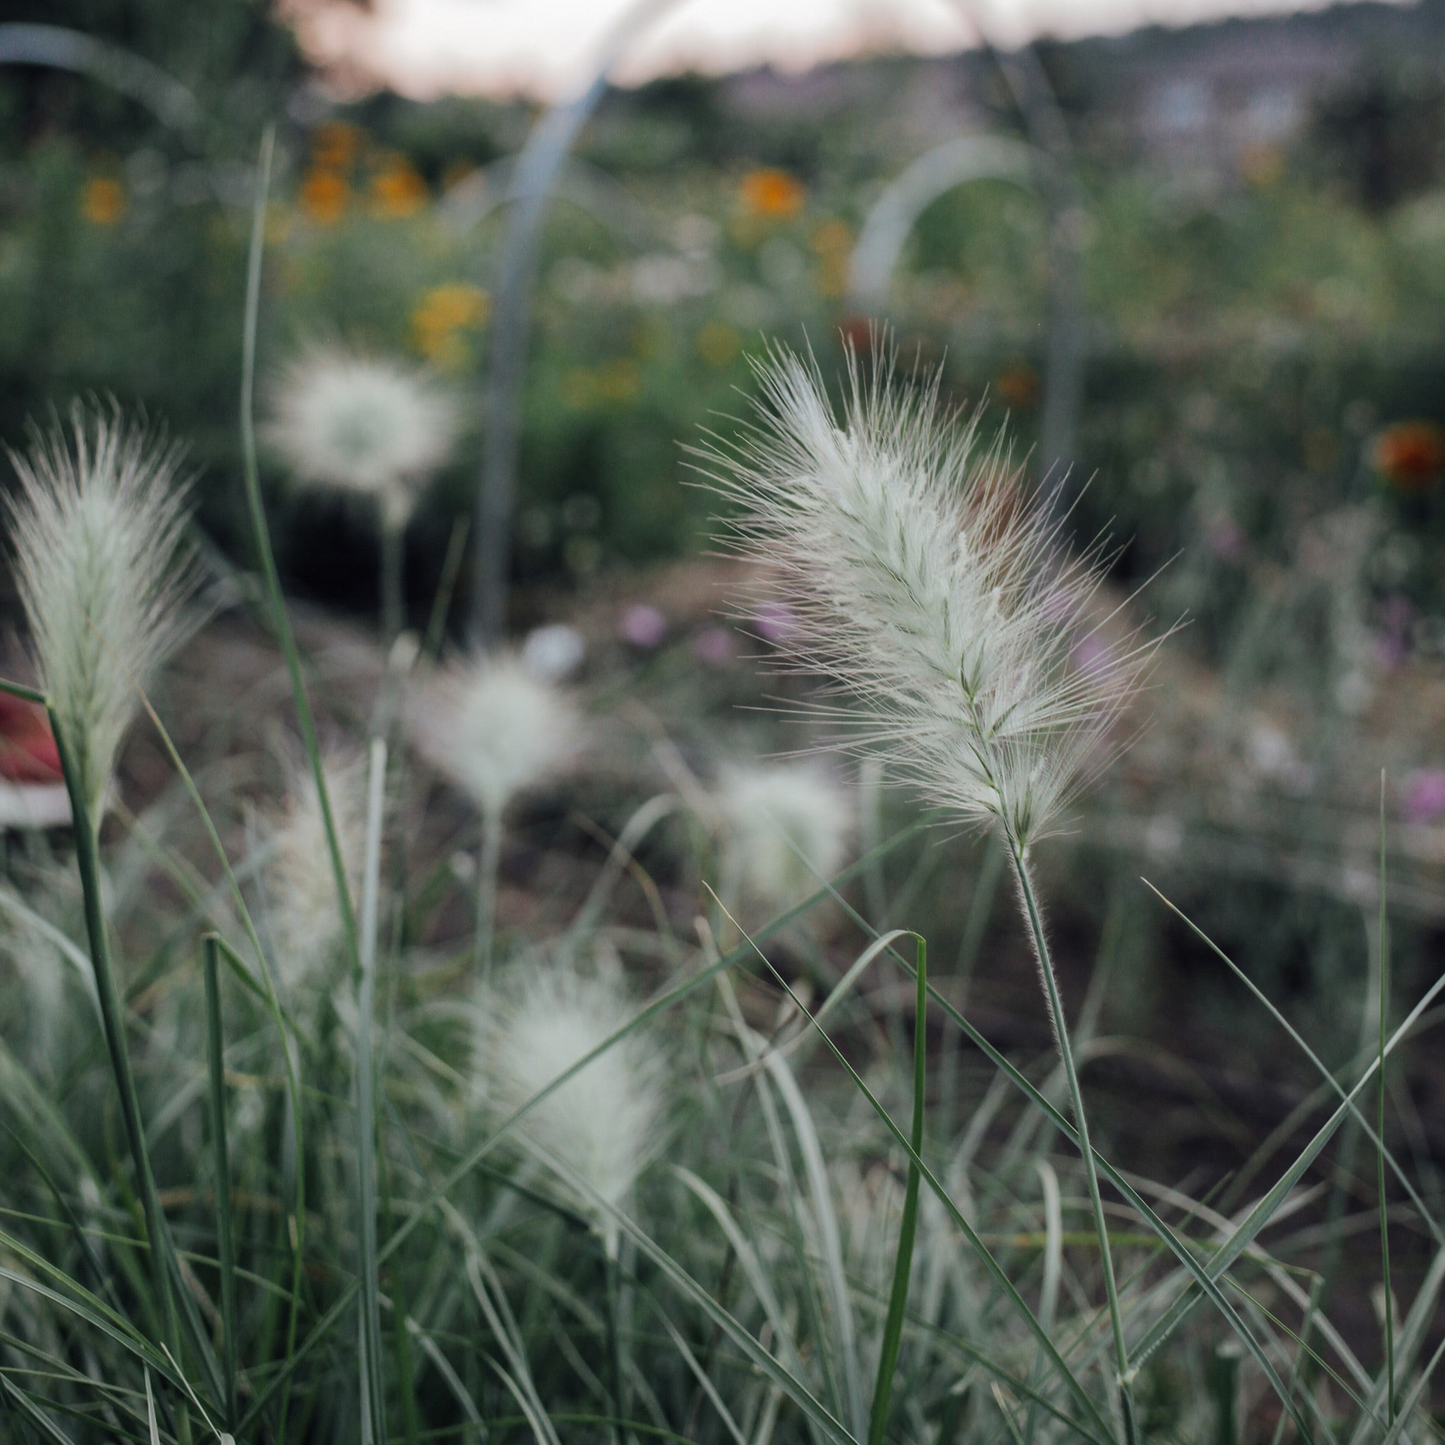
(785, 826)
(305, 913)
(374, 426)
(97, 526)
(932, 591)
(496, 729)
(603, 1125)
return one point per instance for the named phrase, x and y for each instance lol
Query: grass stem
(908, 1227)
(1029, 900)
(1383, 945)
(488, 863)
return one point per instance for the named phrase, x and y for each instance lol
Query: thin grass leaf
(1332, 1084)
(162, 1262)
(1383, 946)
(33, 1414)
(1131, 1196)
(991, 1265)
(908, 1227)
(297, 1355)
(373, 1404)
(760, 1357)
(225, 1239)
(459, 1391)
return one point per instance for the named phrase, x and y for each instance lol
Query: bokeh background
(1198, 271)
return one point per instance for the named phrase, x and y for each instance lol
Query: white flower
(97, 526)
(932, 590)
(554, 652)
(605, 1123)
(785, 826)
(496, 729)
(306, 918)
(376, 426)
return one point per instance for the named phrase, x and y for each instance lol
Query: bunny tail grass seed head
(377, 427)
(305, 913)
(785, 826)
(496, 728)
(97, 525)
(604, 1124)
(931, 591)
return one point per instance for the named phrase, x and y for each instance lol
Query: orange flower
(336, 145)
(772, 193)
(324, 194)
(441, 315)
(102, 202)
(1410, 456)
(397, 191)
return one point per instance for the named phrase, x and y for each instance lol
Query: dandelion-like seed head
(97, 526)
(374, 426)
(785, 826)
(931, 590)
(605, 1123)
(306, 918)
(497, 729)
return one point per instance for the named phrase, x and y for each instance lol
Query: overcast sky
(427, 47)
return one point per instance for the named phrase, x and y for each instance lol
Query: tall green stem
(1383, 1004)
(614, 1333)
(112, 1014)
(908, 1227)
(1029, 901)
(393, 561)
(484, 940)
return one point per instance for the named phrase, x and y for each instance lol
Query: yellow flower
(771, 193)
(442, 315)
(324, 194)
(336, 145)
(102, 202)
(619, 380)
(718, 344)
(397, 191)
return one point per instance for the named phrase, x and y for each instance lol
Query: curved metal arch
(536, 170)
(468, 203)
(63, 49)
(947, 166)
(533, 181)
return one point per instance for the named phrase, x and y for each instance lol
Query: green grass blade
(908, 1228)
(985, 1255)
(1346, 1097)
(1383, 947)
(1207, 1285)
(256, 507)
(87, 858)
(225, 1239)
(1035, 922)
(467, 1164)
(37, 1419)
(373, 1404)
(446, 586)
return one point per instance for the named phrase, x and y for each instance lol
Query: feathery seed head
(785, 825)
(97, 526)
(306, 915)
(931, 590)
(605, 1123)
(496, 728)
(374, 426)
